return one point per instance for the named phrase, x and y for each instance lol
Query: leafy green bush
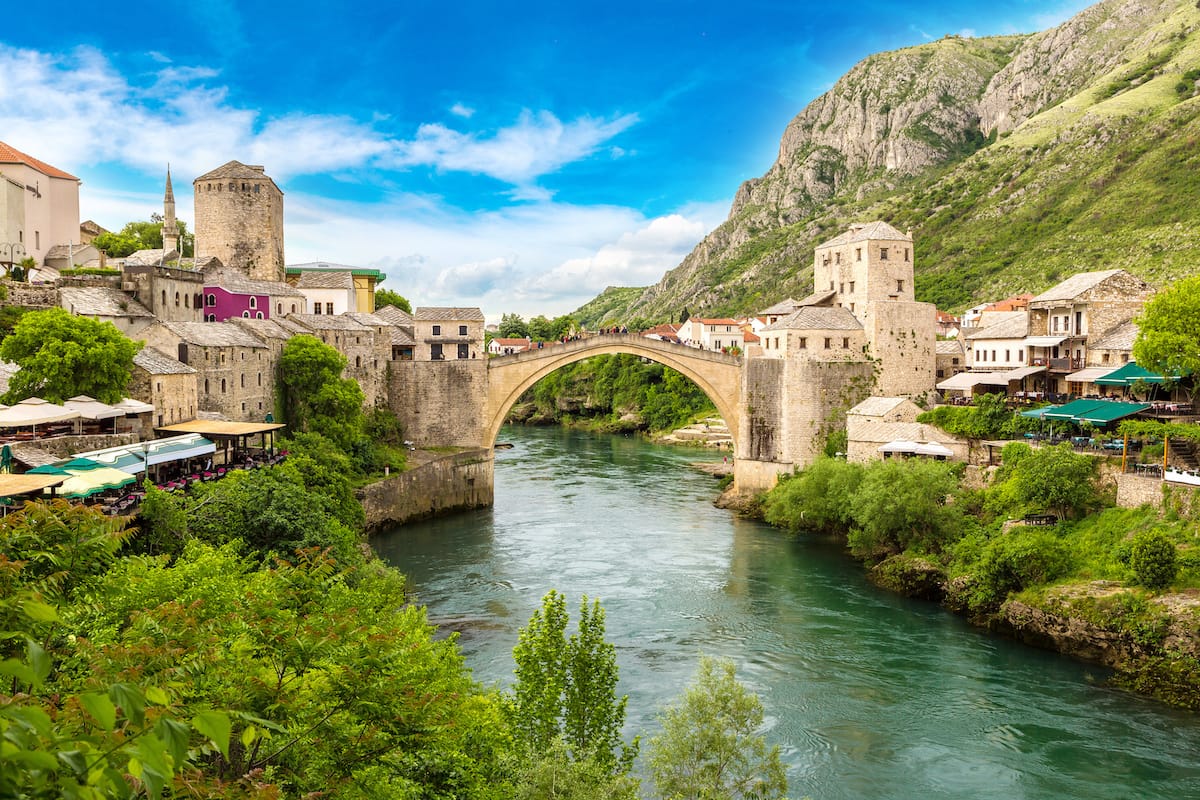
(816, 499)
(1153, 558)
(1016, 560)
(901, 505)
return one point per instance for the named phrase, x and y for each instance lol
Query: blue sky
(516, 156)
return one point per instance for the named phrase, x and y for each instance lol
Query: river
(869, 695)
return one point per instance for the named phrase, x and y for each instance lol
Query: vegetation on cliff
(1016, 161)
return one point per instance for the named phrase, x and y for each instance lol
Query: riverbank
(1072, 587)
(435, 483)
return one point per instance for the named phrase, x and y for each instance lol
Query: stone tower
(170, 228)
(239, 219)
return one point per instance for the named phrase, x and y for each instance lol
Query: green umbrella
(6, 459)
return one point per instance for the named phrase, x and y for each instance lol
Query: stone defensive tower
(239, 219)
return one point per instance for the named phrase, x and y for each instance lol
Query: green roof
(1073, 409)
(1109, 412)
(1038, 413)
(1129, 374)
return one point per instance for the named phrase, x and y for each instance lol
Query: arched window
(279, 309)
(164, 296)
(246, 314)
(222, 386)
(293, 308)
(206, 385)
(358, 361)
(177, 299)
(258, 315)
(212, 299)
(253, 302)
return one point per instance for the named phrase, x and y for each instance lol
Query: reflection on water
(870, 695)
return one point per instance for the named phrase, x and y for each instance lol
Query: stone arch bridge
(718, 375)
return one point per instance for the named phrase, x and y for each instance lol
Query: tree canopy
(1168, 340)
(142, 235)
(61, 356)
(386, 297)
(315, 395)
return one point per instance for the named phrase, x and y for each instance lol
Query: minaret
(170, 228)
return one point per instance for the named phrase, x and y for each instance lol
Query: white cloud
(538, 144)
(460, 110)
(80, 111)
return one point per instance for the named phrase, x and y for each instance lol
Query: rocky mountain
(1015, 160)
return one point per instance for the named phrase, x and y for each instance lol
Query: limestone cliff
(1015, 160)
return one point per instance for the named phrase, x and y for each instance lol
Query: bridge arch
(718, 375)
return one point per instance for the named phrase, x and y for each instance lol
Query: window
(243, 380)
(954, 361)
(1021, 355)
(993, 355)
(717, 344)
(246, 314)
(776, 342)
(358, 362)
(187, 300)
(941, 373)
(1055, 324)
(329, 308)
(212, 299)
(435, 352)
(243, 356)
(883, 254)
(164, 297)
(906, 254)
(851, 287)
(293, 308)
(316, 308)
(828, 342)
(260, 379)
(899, 286)
(464, 350)
(437, 330)
(858, 254)
(837, 258)
(982, 355)
(222, 386)
(158, 386)
(279, 309)
(852, 308)
(258, 315)
(845, 343)
(803, 345)
(206, 385)
(37, 239)
(1008, 355)
(462, 330)
(253, 302)
(831, 286)
(1104, 358)
(841, 288)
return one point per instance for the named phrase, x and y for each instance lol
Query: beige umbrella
(34, 411)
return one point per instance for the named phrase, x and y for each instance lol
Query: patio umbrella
(89, 408)
(34, 411)
(6, 459)
(87, 482)
(933, 449)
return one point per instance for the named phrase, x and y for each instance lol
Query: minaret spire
(170, 228)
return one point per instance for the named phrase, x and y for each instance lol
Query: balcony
(1063, 364)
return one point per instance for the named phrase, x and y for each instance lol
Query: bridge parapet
(606, 341)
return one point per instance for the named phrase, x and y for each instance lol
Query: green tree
(817, 499)
(711, 748)
(61, 356)
(386, 297)
(1055, 479)
(566, 688)
(142, 235)
(541, 328)
(902, 504)
(1153, 558)
(1168, 339)
(512, 326)
(315, 396)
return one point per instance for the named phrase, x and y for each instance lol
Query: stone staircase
(1183, 453)
(709, 432)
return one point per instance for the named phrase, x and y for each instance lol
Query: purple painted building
(230, 294)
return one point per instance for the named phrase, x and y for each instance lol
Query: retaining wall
(454, 482)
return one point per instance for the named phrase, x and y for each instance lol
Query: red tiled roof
(750, 338)
(11, 155)
(1014, 303)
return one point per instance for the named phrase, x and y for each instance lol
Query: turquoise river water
(869, 695)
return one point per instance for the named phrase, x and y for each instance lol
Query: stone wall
(453, 482)
(157, 288)
(817, 396)
(903, 341)
(63, 446)
(174, 396)
(762, 410)
(440, 403)
(30, 295)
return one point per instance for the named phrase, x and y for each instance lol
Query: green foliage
(386, 297)
(138, 235)
(815, 499)
(986, 418)
(1168, 340)
(512, 326)
(901, 505)
(163, 522)
(1154, 559)
(566, 688)
(711, 747)
(1055, 479)
(1021, 558)
(315, 396)
(553, 774)
(62, 355)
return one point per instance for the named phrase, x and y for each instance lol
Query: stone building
(172, 293)
(239, 219)
(950, 358)
(229, 294)
(39, 207)
(448, 334)
(402, 328)
(364, 280)
(165, 383)
(1085, 304)
(366, 343)
(815, 332)
(327, 292)
(236, 370)
(107, 305)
